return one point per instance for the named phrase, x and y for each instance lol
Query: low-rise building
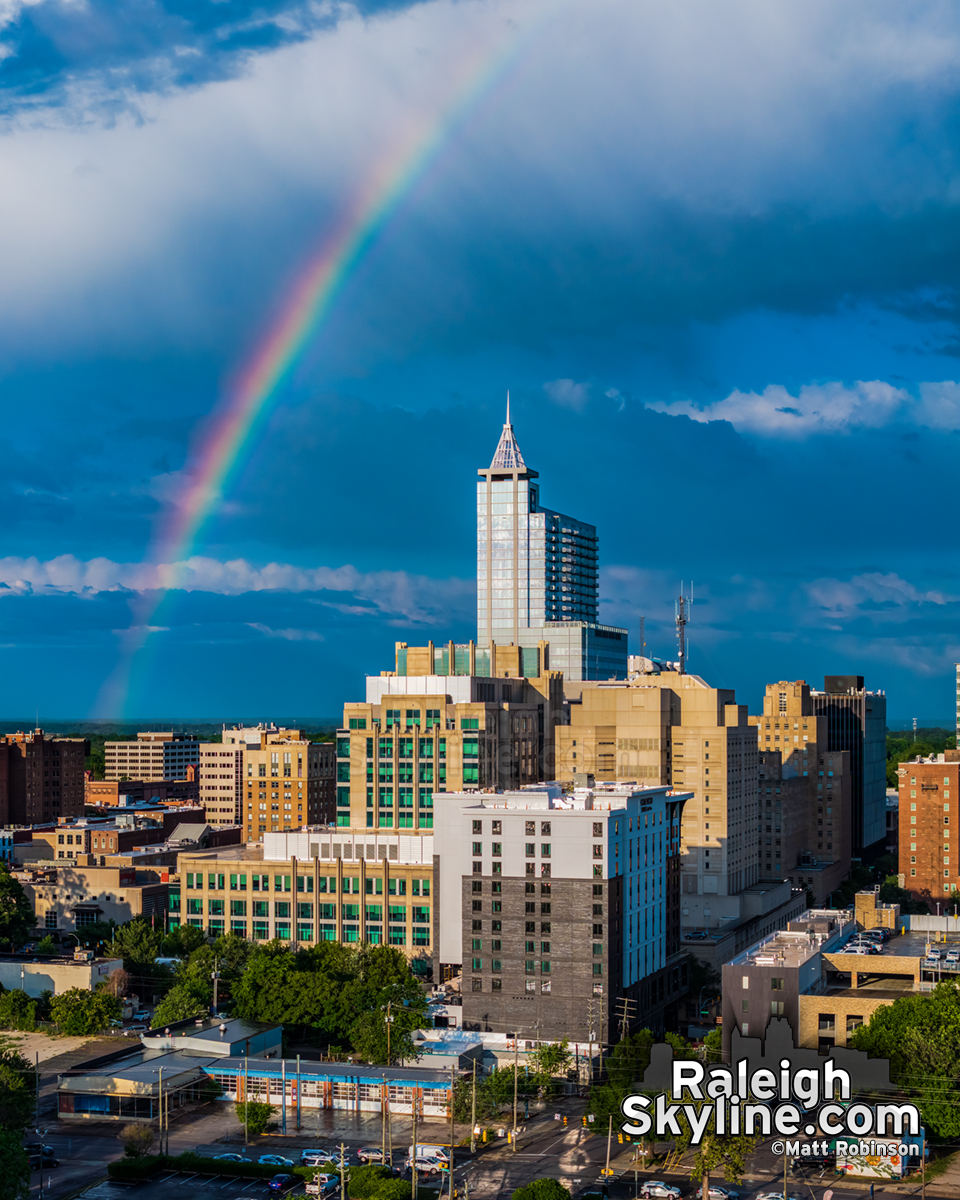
(152, 756)
(312, 885)
(109, 793)
(55, 974)
(812, 974)
(66, 896)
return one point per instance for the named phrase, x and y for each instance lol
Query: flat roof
(342, 1072)
(794, 947)
(145, 1069)
(234, 1029)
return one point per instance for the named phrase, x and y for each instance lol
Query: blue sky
(713, 251)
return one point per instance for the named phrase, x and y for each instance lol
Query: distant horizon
(155, 724)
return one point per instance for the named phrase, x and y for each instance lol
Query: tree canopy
(920, 1035)
(16, 912)
(80, 1012)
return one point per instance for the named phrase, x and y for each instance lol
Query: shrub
(542, 1189)
(137, 1140)
(255, 1115)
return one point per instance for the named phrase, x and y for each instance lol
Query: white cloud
(817, 408)
(289, 635)
(417, 598)
(568, 394)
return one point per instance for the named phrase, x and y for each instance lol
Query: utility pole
(383, 1121)
(389, 1022)
(343, 1183)
(413, 1148)
(606, 1170)
(516, 1070)
(453, 1136)
(625, 1016)
(473, 1112)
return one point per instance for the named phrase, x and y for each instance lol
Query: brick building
(44, 777)
(105, 793)
(929, 855)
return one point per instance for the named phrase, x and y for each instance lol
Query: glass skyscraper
(538, 575)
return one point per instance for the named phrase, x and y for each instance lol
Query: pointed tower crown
(507, 456)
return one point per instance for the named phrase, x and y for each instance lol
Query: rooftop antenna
(684, 604)
(643, 638)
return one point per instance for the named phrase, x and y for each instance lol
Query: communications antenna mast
(684, 605)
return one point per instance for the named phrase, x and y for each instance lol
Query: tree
(118, 982)
(182, 940)
(714, 1151)
(551, 1058)
(14, 1167)
(179, 1004)
(17, 1010)
(892, 893)
(713, 1044)
(80, 1012)
(255, 1115)
(95, 935)
(625, 1066)
(16, 912)
(920, 1035)
(542, 1189)
(137, 943)
(47, 945)
(137, 1140)
(366, 1182)
(17, 1092)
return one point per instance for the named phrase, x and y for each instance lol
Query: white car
(656, 1187)
(313, 1158)
(719, 1193)
(274, 1160)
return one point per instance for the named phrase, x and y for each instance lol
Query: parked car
(321, 1185)
(696, 935)
(282, 1183)
(373, 1154)
(313, 1158)
(230, 1158)
(274, 1160)
(426, 1166)
(593, 1191)
(656, 1187)
(953, 956)
(135, 1030)
(41, 1156)
(719, 1193)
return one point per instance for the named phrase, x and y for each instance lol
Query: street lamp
(41, 1134)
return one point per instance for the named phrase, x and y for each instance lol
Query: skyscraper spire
(507, 456)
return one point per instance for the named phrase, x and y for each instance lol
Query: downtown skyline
(712, 255)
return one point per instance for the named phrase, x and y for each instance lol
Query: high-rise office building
(857, 721)
(561, 909)
(805, 789)
(538, 575)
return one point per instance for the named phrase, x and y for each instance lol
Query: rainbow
(260, 384)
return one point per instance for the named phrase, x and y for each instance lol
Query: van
(424, 1150)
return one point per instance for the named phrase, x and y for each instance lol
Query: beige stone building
(66, 895)
(154, 755)
(221, 782)
(673, 728)
(287, 780)
(310, 885)
(805, 793)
